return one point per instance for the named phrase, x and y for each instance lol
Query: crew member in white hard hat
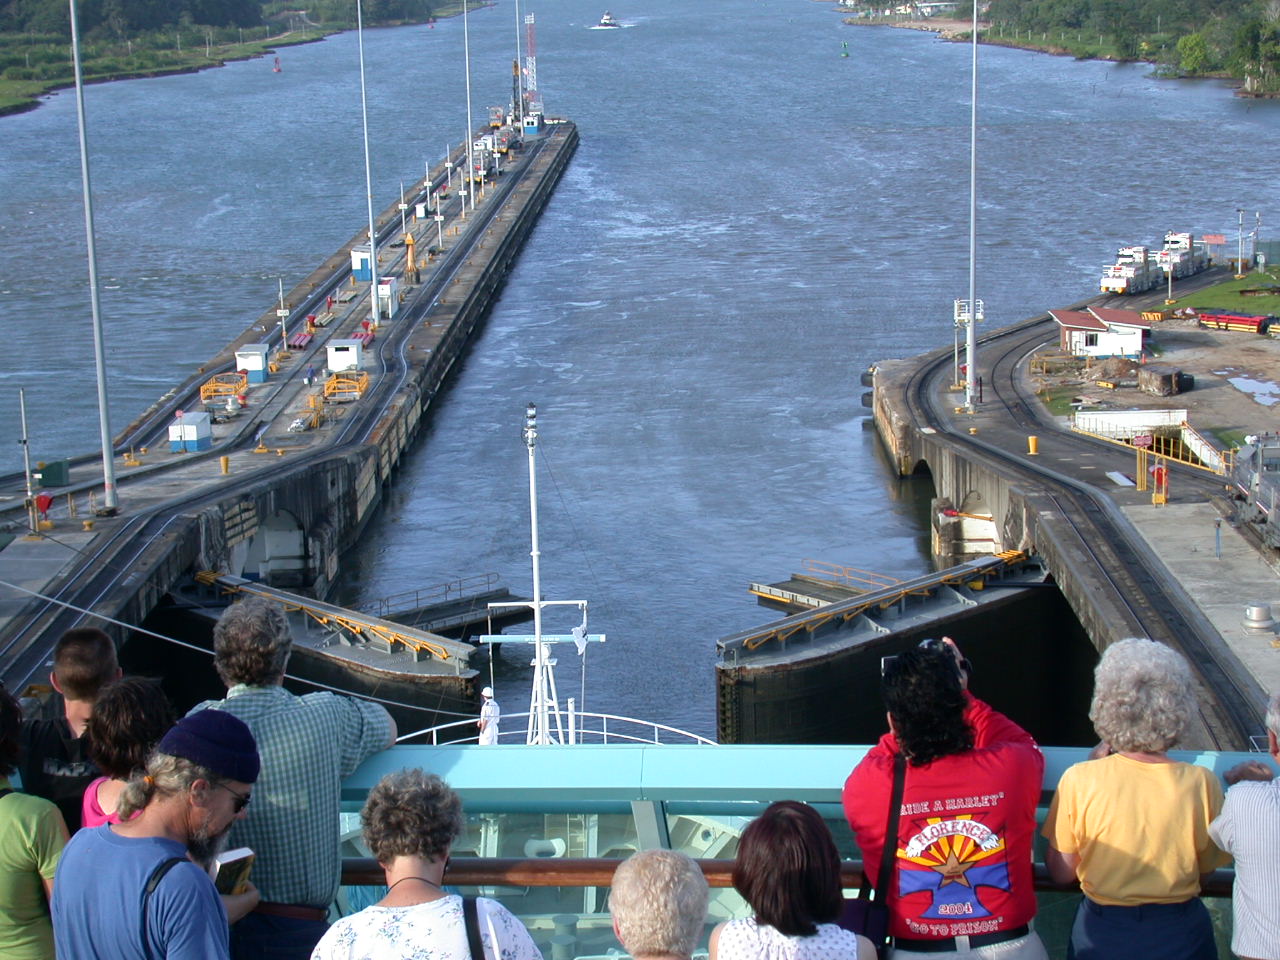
(489, 714)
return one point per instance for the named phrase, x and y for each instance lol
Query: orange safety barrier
(222, 385)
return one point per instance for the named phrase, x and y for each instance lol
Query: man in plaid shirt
(308, 746)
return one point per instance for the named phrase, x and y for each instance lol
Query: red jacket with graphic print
(963, 863)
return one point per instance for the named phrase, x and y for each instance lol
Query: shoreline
(957, 31)
(272, 45)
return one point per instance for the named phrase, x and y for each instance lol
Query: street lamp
(110, 504)
(368, 179)
(971, 340)
(1240, 243)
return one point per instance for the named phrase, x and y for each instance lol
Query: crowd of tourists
(105, 848)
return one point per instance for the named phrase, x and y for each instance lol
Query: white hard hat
(487, 693)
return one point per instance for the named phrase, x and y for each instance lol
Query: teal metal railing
(547, 825)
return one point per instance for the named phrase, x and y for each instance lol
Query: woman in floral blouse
(410, 820)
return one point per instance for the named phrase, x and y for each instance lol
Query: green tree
(1193, 52)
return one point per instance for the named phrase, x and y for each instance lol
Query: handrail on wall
(598, 872)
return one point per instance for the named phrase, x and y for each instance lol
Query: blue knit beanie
(215, 740)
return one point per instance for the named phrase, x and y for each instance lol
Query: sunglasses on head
(938, 646)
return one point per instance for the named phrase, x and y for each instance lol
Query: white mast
(542, 701)
(545, 722)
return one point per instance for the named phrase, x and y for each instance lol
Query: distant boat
(608, 20)
(276, 68)
(844, 51)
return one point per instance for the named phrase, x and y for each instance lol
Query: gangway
(350, 623)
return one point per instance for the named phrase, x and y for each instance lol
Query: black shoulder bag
(471, 921)
(868, 915)
(163, 867)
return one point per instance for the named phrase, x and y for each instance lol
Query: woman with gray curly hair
(1133, 824)
(410, 821)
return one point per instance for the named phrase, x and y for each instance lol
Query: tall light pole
(1239, 242)
(110, 504)
(26, 462)
(517, 108)
(368, 176)
(971, 338)
(466, 56)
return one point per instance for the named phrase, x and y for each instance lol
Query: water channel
(751, 220)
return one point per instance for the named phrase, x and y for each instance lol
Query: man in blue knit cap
(137, 889)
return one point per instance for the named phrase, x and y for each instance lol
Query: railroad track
(124, 541)
(151, 427)
(1137, 584)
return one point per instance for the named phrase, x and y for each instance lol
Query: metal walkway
(973, 572)
(353, 623)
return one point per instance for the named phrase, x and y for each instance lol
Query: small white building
(190, 432)
(252, 359)
(388, 297)
(1101, 332)
(344, 354)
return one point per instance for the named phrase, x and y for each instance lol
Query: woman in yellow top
(1133, 824)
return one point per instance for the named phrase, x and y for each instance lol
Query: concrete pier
(269, 499)
(1121, 562)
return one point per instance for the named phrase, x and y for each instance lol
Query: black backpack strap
(471, 921)
(153, 881)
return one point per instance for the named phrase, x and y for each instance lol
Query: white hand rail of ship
(576, 730)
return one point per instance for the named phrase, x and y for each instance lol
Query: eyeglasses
(242, 799)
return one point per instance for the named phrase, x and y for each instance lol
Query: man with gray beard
(136, 890)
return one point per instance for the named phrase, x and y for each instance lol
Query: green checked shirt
(308, 745)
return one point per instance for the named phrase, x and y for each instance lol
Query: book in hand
(230, 870)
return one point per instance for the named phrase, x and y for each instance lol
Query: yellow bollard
(88, 524)
(1033, 446)
(973, 431)
(226, 464)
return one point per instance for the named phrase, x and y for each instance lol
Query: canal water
(751, 220)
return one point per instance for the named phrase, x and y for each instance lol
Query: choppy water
(750, 221)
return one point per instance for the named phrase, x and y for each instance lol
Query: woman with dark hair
(32, 835)
(788, 871)
(128, 719)
(410, 821)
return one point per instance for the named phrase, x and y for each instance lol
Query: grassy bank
(37, 66)
(1157, 49)
(34, 65)
(1229, 296)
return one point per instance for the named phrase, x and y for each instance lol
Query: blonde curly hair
(659, 903)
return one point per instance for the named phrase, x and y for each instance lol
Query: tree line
(121, 19)
(1238, 38)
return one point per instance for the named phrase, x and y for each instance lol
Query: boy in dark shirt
(55, 760)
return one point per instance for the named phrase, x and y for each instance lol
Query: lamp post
(1239, 242)
(26, 462)
(466, 56)
(110, 504)
(971, 339)
(368, 177)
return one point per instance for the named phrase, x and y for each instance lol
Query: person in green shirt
(32, 835)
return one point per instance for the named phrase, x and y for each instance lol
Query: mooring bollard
(1033, 445)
